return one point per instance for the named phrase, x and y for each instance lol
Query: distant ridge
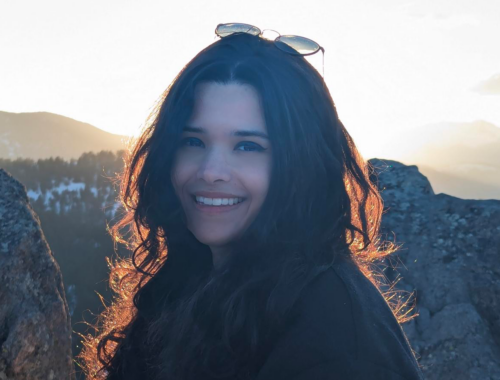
(460, 159)
(39, 135)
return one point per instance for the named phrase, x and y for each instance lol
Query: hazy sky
(389, 64)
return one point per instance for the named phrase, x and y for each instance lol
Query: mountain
(459, 186)
(40, 135)
(460, 159)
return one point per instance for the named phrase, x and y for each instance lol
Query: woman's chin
(211, 240)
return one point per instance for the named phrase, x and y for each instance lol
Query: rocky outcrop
(35, 330)
(450, 258)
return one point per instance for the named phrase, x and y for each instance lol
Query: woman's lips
(216, 209)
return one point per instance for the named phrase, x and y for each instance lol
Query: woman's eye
(247, 146)
(253, 147)
(187, 141)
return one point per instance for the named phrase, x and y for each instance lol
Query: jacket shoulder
(342, 318)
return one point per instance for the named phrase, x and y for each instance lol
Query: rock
(450, 256)
(35, 330)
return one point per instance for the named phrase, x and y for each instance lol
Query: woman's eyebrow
(243, 133)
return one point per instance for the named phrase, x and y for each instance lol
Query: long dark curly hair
(174, 315)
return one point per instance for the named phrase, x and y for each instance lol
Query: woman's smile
(214, 206)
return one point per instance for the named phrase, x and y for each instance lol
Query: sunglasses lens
(296, 45)
(224, 30)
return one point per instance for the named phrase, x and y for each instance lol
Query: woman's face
(225, 158)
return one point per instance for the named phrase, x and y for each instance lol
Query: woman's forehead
(227, 106)
(231, 93)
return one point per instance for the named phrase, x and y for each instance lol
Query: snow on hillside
(68, 190)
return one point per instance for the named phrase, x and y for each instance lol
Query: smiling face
(223, 150)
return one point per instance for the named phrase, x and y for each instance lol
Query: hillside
(460, 159)
(42, 135)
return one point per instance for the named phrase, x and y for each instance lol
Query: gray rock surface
(450, 258)
(35, 330)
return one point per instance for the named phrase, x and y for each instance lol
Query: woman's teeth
(218, 201)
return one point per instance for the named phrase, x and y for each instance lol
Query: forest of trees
(76, 200)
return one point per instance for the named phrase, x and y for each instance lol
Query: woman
(254, 227)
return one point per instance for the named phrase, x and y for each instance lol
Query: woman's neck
(219, 255)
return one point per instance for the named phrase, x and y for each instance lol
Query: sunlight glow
(390, 65)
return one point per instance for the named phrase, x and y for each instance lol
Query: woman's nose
(214, 167)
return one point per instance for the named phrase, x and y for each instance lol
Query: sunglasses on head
(290, 44)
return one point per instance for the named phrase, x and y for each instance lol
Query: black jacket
(345, 331)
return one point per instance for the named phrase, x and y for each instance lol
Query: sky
(390, 65)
